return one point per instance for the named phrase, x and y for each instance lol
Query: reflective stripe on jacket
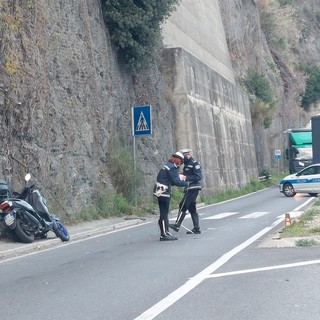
(169, 176)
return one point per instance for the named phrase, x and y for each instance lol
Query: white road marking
(282, 266)
(200, 277)
(254, 215)
(70, 243)
(293, 214)
(221, 215)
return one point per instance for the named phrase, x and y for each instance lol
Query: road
(128, 274)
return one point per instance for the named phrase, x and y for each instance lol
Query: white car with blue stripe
(305, 181)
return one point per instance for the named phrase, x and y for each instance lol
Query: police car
(304, 181)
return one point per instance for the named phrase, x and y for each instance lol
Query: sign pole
(135, 170)
(277, 155)
(141, 125)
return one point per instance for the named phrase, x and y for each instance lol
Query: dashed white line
(206, 273)
(254, 215)
(200, 277)
(221, 215)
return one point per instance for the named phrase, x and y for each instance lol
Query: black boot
(165, 235)
(176, 226)
(195, 220)
(194, 231)
(167, 231)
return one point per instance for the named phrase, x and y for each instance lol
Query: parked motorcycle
(27, 214)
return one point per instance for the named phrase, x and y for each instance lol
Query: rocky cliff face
(250, 46)
(64, 98)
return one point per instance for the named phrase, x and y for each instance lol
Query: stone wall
(196, 26)
(212, 114)
(212, 117)
(64, 97)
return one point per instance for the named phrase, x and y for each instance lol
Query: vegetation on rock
(134, 26)
(262, 100)
(312, 92)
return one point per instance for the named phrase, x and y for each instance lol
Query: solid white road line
(293, 214)
(200, 277)
(282, 266)
(204, 274)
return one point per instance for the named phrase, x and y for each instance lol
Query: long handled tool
(186, 228)
(180, 209)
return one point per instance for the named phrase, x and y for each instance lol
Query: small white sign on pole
(277, 153)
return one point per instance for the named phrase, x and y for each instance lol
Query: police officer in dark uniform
(168, 176)
(192, 171)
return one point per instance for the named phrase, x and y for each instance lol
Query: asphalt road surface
(128, 274)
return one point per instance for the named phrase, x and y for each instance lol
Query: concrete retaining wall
(212, 115)
(196, 26)
(212, 118)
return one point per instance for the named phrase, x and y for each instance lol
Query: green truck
(299, 152)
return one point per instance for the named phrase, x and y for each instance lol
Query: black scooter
(27, 215)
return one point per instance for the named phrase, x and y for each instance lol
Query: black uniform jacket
(168, 176)
(192, 170)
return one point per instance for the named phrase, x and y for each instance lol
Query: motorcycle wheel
(22, 232)
(61, 231)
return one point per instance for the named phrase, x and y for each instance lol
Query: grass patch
(110, 203)
(252, 186)
(306, 243)
(306, 225)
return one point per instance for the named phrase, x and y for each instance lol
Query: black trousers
(188, 201)
(164, 206)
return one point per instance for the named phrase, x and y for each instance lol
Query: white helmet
(185, 151)
(179, 155)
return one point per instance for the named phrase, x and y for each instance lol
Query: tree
(312, 91)
(134, 26)
(262, 102)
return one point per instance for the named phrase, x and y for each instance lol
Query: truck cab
(299, 152)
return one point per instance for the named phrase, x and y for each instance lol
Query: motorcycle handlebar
(24, 192)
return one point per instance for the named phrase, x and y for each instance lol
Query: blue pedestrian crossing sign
(141, 120)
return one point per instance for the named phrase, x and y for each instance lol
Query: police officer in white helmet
(193, 174)
(168, 176)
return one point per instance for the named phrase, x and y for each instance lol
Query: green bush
(306, 243)
(258, 85)
(134, 26)
(120, 167)
(312, 91)
(262, 102)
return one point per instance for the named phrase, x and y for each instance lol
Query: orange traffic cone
(287, 220)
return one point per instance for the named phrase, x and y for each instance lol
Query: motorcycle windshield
(21, 204)
(37, 202)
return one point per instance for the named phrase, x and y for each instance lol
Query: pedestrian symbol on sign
(142, 124)
(141, 120)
